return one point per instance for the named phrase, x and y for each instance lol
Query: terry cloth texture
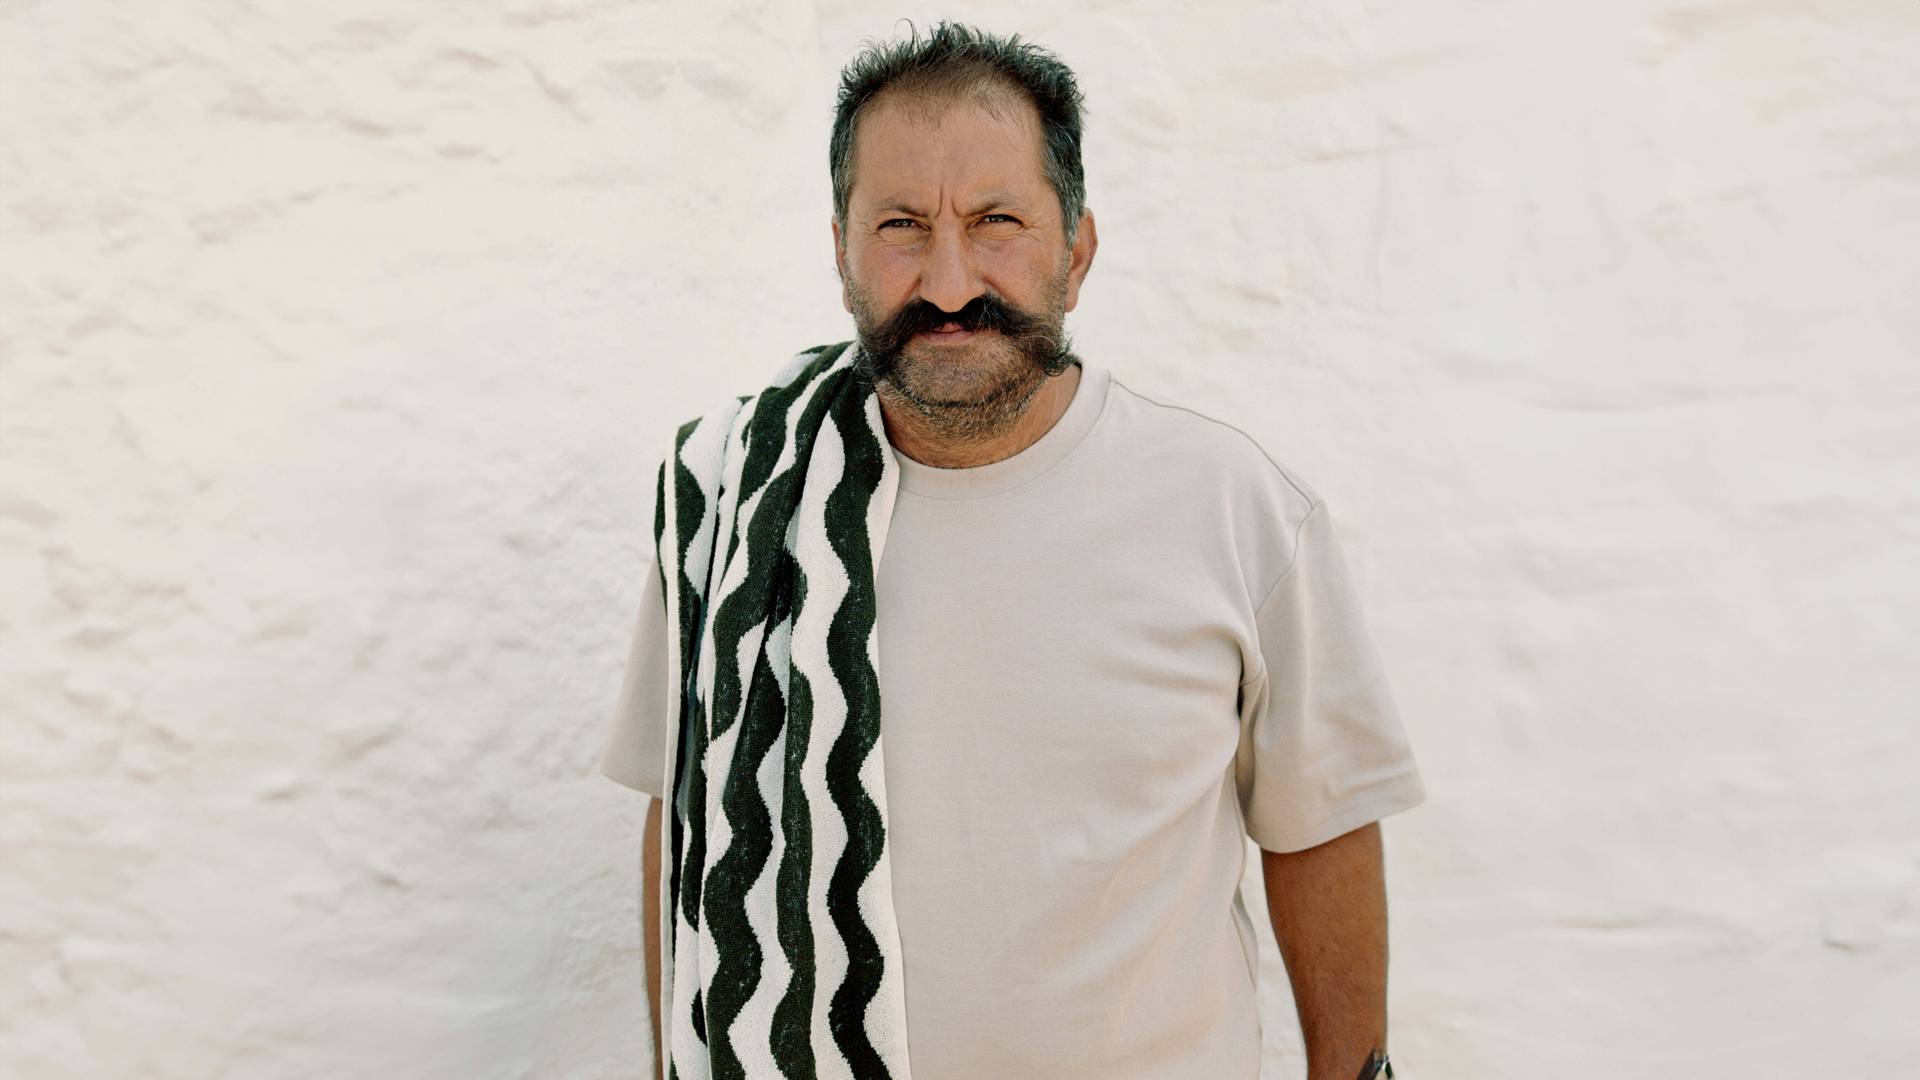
(785, 956)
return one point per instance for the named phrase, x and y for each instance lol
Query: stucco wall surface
(336, 342)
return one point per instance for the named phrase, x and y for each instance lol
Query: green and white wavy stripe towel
(783, 956)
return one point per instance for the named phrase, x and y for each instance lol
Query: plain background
(338, 343)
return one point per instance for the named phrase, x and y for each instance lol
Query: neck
(912, 435)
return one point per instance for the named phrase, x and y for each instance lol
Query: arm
(1328, 904)
(650, 921)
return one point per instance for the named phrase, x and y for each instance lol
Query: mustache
(983, 312)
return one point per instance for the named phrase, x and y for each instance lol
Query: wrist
(1377, 1067)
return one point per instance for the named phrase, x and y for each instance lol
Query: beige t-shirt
(1103, 662)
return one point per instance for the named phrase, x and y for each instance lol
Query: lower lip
(947, 336)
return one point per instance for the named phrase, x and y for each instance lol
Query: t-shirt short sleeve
(636, 750)
(1322, 750)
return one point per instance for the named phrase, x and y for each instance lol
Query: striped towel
(781, 955)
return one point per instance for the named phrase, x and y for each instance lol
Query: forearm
(650, 921)
(1329, 910)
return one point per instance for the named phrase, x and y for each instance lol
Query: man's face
(954, 260)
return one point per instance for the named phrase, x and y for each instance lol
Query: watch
(1377, 1067)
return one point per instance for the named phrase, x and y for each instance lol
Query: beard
(973, 389)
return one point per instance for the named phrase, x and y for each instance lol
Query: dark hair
(952, 61)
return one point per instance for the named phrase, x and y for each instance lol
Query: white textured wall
(336, 341)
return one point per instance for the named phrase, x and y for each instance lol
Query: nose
(948, 278)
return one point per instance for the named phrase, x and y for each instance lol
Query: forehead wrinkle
(988, 201)
(1015, 117)
(1002, 109)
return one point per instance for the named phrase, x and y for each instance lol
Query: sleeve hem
(626, 779)
(1403, 795)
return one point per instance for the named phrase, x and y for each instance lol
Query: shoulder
(1214, 447)
(805, 370)
(1217, 470)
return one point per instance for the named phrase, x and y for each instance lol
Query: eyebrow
(987, 202)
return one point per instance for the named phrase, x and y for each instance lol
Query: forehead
(906, 148)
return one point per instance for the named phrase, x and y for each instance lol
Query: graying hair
(953, 61)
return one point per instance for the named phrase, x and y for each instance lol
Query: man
(1115, 637)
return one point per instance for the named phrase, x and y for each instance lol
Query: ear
(840, 267)
(1085, 243)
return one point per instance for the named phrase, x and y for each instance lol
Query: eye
(890, 222)
(1003, 217)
